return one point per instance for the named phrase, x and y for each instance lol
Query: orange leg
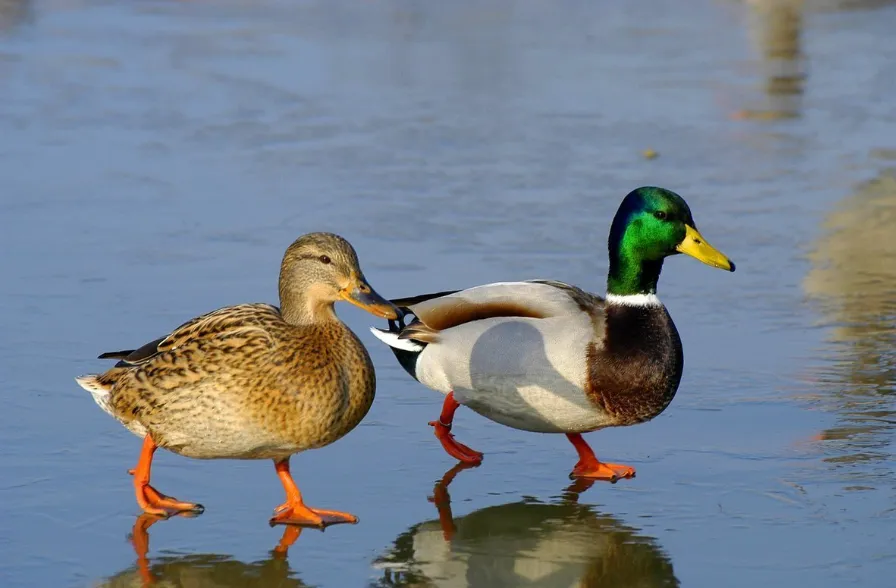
(294, 511)
(443, 433)
(151, 500)
(590, 467)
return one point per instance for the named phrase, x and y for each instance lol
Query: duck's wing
(435, 313)
(222, 343)
(529, 299)
(514, 351)
(229, 322)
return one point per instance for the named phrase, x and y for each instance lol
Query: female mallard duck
(253, 381)
(548, 357)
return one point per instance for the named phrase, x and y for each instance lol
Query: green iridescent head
(650, 225)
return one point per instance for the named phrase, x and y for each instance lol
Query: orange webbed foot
(598, 470)
(151, 500)
(162, 505)
(296, 513)
(454, 448)
(591, 467)
(155, 503)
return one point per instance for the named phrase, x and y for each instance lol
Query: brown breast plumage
(634, 371)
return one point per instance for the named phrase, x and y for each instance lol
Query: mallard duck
(548, 357)
(253, 381)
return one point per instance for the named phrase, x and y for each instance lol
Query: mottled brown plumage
(242, 383)
(255, 381)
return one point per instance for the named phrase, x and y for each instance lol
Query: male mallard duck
(548, 357)
(253, 381)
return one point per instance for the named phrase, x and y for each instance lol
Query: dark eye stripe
(320, 258)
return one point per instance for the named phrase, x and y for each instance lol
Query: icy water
(157, 157)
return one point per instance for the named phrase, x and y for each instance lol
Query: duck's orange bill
(363, 296)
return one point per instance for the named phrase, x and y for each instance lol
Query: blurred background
(157, 157)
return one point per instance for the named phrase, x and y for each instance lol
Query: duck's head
(319, 269)
(650, 225)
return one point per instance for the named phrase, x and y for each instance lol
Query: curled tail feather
(98, 390)
(393, 340)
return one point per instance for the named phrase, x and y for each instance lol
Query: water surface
(157, 157)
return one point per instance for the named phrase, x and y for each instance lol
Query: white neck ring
(633, 299)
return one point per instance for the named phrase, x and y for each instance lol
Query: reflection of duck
(777, 26)
(524, 543)
(853, 277)
(13, 13)
(204, 570)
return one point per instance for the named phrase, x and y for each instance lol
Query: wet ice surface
(157, 158)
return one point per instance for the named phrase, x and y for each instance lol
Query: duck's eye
(660, 215)
(324, 259)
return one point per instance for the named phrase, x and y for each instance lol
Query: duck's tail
(407, 351)
(393, 339)
(101, 392)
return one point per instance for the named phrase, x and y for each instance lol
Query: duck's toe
(155, 503)
(454, 448)
(598, 470)
(304, 516)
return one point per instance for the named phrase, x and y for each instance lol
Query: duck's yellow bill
(363, 296)
(696, 246)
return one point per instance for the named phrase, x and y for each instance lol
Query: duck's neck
(631, 277)
(300, 307)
